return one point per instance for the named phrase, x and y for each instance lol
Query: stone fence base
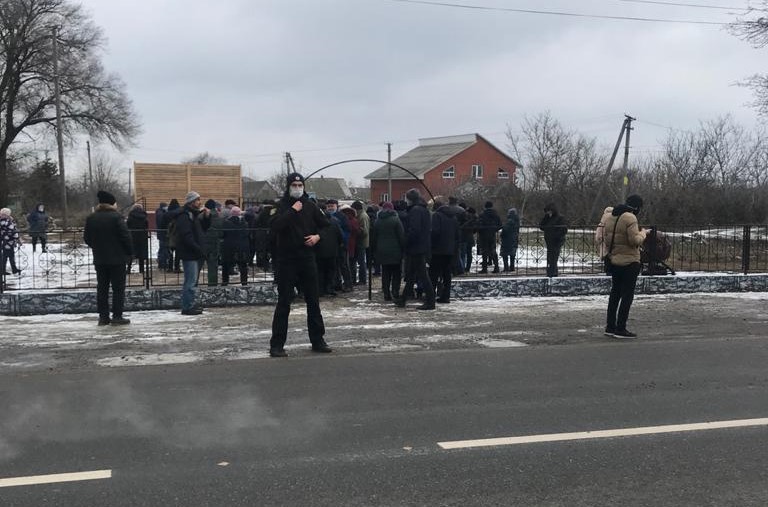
(84, 301)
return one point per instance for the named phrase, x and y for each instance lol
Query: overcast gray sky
(330, 80)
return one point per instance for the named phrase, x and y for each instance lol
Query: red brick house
(444, 164)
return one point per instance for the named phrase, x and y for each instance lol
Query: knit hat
(5, 212)
(488, 204)
(292, 178)
(635, 201)
(357, 205)
(105, 197)
(413, 195)
(234, 211)
(210, 204)
(191, 196)
(511, 212)
(388, 205)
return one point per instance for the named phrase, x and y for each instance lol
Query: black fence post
(745, 248)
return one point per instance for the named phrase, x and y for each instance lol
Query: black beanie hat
(210, 204)
(105, 197)
(293, 177)
(635, 201)
(488, 204)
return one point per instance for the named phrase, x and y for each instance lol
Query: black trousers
(302, 273)
(106, 275)
(242, 268)
(553, 254)
(440, 272)
(416, 271)
(623, 282)
(488, 251)
(326, 273)
(391, 276)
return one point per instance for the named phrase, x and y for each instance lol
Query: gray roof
(258, 191)
(328, 188)
(420, 160)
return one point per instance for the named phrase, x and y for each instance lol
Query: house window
(477, 171)
(449, 173)
(502, 174)
(384, 197)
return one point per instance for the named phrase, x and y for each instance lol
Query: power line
(679, 4)
(559, 13)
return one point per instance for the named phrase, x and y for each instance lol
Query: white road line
(49, 479)
(585, 435)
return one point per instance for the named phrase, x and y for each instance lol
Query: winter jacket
(37, 221)
(9, 234)
(468, 229)
(138, 224)
(234, 243)
(388, 238)
(555, 228)
(628, 239)
(488, 224)
(418, 230)
(354, 233)
(510, 234)
(445, 232)
(107, 235)
(213, 235)
(365, 229)
(190, 233)
(290, 227)
(162, 234)
(331, 240)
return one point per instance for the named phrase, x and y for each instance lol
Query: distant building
(255, 191)
(445, 164)
(361, 193)
(321, 187)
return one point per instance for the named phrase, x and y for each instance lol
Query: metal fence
(66, 262)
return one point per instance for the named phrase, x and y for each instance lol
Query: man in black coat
(109, 239)
(555, 228)
(445, 247)
(489, 224)
(418, 247)
(296, 229)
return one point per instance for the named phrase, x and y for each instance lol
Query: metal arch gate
(421, 182)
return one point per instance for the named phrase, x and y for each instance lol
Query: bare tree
(91, 100)
(205, 158)
(559, 163)
(753, 28)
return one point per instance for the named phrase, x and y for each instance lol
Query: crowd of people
(318, 249)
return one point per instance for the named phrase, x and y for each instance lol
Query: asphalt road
(362, 427)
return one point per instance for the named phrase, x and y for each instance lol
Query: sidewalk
(84, 301)
(355, 325)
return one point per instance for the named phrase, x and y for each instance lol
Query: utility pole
(389, 173)
(59, 141)
(628, 127)
(287, 163)
(90, 169)
(625, 127)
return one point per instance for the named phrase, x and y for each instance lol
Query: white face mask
(296, 193)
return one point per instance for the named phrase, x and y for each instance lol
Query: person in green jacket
(387, 245)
